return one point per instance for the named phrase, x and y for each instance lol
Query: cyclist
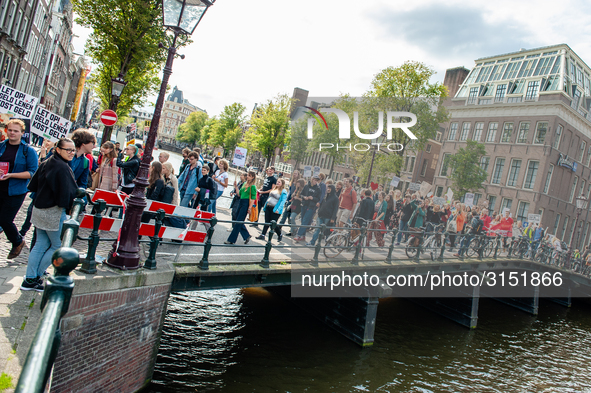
(476, 227)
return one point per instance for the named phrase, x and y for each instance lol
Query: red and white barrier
(114, 224)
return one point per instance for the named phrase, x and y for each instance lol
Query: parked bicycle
(431, 241)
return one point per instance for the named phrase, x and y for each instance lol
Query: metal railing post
(443, 236)
(497, 248)
(480, 246)
(318, 245)
(522, 251)
(204, 262)
(463, 248)
(154, 241)
(417, 257)
(391, 248)
(510, 248)
(265, 261)
(89, 263)
(361, 239)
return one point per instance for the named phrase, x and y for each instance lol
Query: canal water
(253, 341)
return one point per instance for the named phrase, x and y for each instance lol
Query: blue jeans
(320, 221)
(402, 226)
(186, 200)
(211, 207)
(40, 256)
(307, 217)
(240, 228)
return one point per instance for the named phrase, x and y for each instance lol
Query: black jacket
(204, 184)
(54, 184)
(156, 192)
(366, 209)
(330, 205)
(129, 168)
(314, 192)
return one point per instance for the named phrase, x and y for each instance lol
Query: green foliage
(5, 381)
(269, 128)
(467, 176)
(191, 131)
(227, 132)
(298, 146)
(124, 40)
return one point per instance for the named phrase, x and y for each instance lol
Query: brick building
(531, 109)
(175, 111)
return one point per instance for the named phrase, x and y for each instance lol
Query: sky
(250, 52)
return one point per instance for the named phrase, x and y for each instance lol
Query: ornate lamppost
(117, 86)
(181, 17)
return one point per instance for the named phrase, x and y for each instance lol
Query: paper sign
(414, 186)
(395, 181)
(49, 125)
(425, 188)
(316, 170)
(307, 171)
(449, 195)
(469, 199)
(239, 156)
(439, 201)
(535, 218)
(4, 166)
(16, 102)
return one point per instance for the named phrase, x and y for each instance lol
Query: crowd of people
(53, 176)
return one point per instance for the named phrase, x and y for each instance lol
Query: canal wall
(111, 333)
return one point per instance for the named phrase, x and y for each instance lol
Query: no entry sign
(108, 117)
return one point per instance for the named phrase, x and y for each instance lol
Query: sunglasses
(70, 151)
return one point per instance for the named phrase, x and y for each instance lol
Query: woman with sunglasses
(55, 189)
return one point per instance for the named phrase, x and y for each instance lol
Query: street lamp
(581, 203)
(378, 141)
(117, 86)
(182, 17)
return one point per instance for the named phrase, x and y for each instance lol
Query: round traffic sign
(108, 117)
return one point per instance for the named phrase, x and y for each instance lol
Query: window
(484, 73)
(507, 131)
(491, 135)
(582, 150)
(453, 129)
(498, 171)
(589, 156)
(439, 191)
(412, 164)
(544, 66)
(473, 95)
(573, 189)
(484, 161)
(570, 233)
(564, 228)
(434, 161)
(492, 199)
(511, 70)
(465, 131)
(576, 98)
(11, 15)
(500, 94)
(548, 178)
(582, 188)
(523, 130)
(424, 167)
(478, 127)
(505, 204)
(532, 90)
(438, 136)
(428, 148)
(405, 164)
(513, 173)
(445, 164)
(557, 136)
(530, 176)
(522, 211)
(552, 83)
(541, 131)
(527, 68)
(17, 26)
(477, 197)
(556, 224)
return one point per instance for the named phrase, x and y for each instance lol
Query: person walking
(19, 162)
(326, 212)
(56, 188)
(171, 180)
(273, 208)
(270, 181)
(236, 198)
(107, 171)
(129, 168)
(310, 197)
(248, 194)
(220, 179)
(296, 205)
(189, 178)
(204, 190)
(347, 203)
(185, 153)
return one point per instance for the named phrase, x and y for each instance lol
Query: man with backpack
(476, 227)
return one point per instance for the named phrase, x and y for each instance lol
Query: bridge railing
(431, 243)
(55, 302)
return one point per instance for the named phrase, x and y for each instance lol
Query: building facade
(175, 111)
(531, 110)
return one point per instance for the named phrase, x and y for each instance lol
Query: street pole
(126, 255)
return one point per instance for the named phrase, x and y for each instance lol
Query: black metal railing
(55, 302)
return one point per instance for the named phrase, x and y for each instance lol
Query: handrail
(55, 302)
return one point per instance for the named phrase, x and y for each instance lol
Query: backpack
(477, 228)
(167, 194)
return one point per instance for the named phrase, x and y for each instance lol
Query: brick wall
(110, 340)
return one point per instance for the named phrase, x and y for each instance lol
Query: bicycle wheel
(489, 249)
(472, 250)
(335, 245)
(587, 271)
(540, 256)
(410, 250)
(515, 248)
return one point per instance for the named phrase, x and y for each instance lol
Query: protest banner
(535, 218)
(308, 171)
(316, 170)
(16, 102)
(414, 186)
(425, 188)
(49, 125)
(439, 201)
(395, 181)
(469, 199)
(239, 156)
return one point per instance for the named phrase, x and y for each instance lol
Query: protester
(296, 205)
(56, 189)
(270, 181)
(274, 207)
(129, 168)
(476, 227)
(20, 162)
(84, 141)
(236, 198)
(204, 190)
(220, 179)
(171, 180)
(155, 188)
(418, 216)
(286, 209)
(326, 212)
(248, 194)
(189, 178)
(140, 150)
(347, 203)
(185, 153)
(338, 188)
(408, 208)
(310, 197)
(107, 172)
(117, 148)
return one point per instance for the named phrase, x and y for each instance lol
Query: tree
(126, 43)
(405, 89)
(228, 132)
(467, 175)
(269, 127)
(298, 147)
(192, 129)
